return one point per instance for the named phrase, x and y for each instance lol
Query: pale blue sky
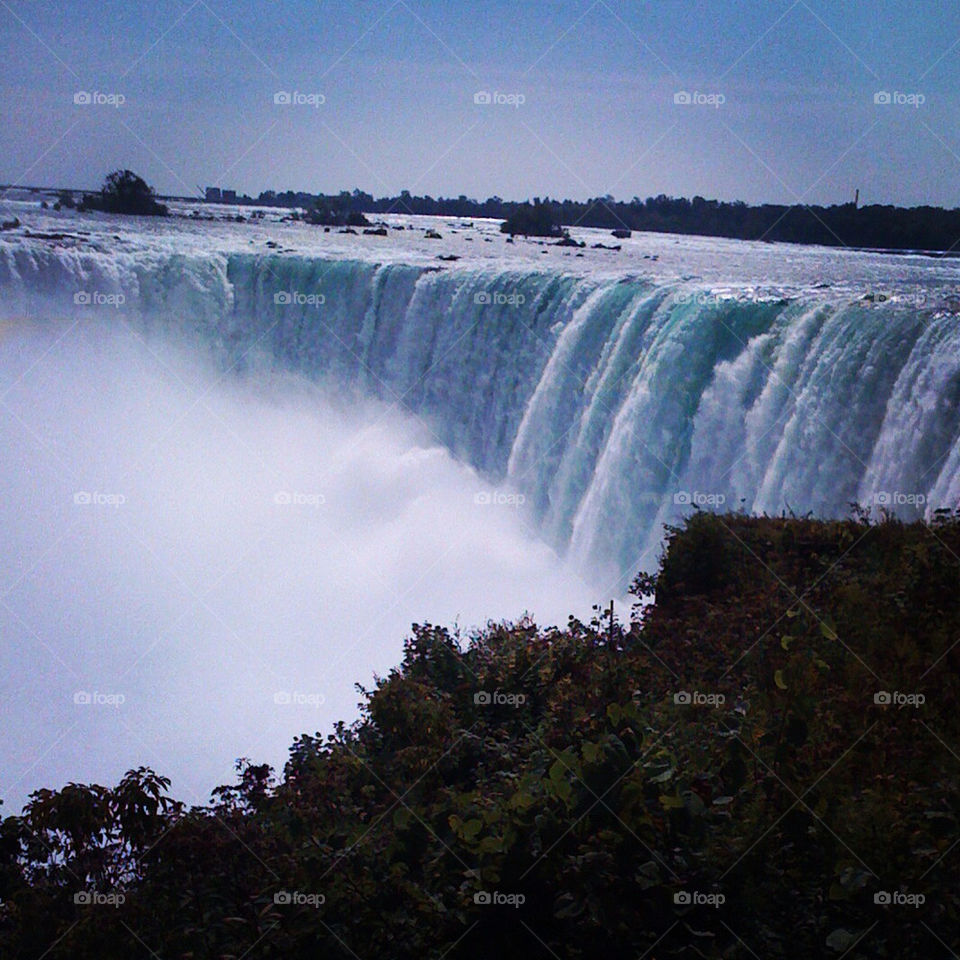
(598, 78)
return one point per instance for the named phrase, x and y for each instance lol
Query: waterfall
(613, 404)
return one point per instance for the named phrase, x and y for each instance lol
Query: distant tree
(335, 212)
(125, 192)
(533, 220)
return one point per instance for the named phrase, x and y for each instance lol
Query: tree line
(875, 226)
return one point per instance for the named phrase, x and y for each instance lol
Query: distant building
(212, 195)
(228, 196)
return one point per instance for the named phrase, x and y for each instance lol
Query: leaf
(471, 828)
(828, 629)
(778, 680)
(785, 641)
(665, 776)
(591, 751)
(567, 906)
(648, 875)
(793, 613)
(614, 713)
(491, 845)
(671, 803)
(841, 940)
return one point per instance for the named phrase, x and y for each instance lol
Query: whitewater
(614, 389)
(243, 456)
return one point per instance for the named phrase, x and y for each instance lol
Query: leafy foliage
(533, 220)
(124, 192)
(591, 791)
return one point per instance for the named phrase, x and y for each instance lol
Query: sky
(582, 97)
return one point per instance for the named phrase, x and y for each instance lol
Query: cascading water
(613, 404)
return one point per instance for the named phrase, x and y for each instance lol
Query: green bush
(729, 744)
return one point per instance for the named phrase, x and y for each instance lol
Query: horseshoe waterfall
(612, 403)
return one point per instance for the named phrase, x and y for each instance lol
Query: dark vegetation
(123, 192)
(847, 224)
(336, 212)
(533, 220)
(582, 786)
